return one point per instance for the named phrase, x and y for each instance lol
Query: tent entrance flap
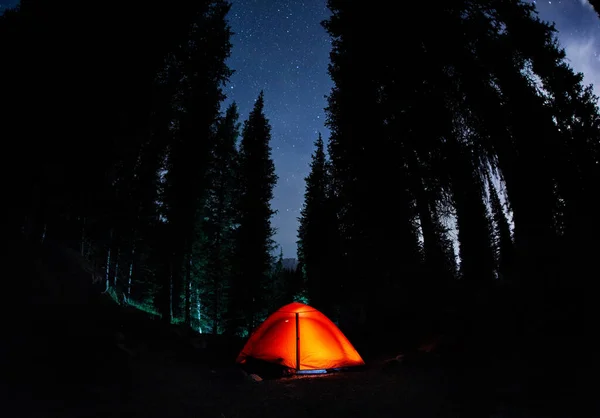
(297, 341)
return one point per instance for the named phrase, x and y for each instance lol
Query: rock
(255, 377)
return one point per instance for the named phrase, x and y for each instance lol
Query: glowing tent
(302, 338)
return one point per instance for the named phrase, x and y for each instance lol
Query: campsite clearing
(165, 388)
(165, 380)
(74, 359)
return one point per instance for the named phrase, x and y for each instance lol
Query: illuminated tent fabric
(302, 338)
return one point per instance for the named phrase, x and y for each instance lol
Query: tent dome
(300, 337)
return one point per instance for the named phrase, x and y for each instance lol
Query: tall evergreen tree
(90, 181)
(219, 220)
(503, 243)
(317, 230)
(201, 63)
(572, 107)
(84, 170)
(478, 81)
(376, 223)
(278, 290)
(254, 233)
(472, 219)
(146, 260)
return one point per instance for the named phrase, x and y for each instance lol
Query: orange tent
(300, 337)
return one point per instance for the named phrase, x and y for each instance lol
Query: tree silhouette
(99, 187)
(317, 234)
(218, 222)
(596, 5)
(492, 98)
(200, 64)
(254, 233)
(503, 243)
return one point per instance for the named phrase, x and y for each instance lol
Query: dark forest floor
(69, 353)
(165, 380)
(162, 384)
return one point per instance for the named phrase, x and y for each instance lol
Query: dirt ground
(160, 389)
(156, 372)
(106, 361)
(66, 355)
(159, 378)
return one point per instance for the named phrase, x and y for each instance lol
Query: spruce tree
(376, 222)
(254, 233)
(503, 243)
(472, 218)
(146, 260)
(316, 232)
(596, 5)
(572, 107)
(218, 222)
(505, 103)
(278, 290)
(98, 169)
(201, 63)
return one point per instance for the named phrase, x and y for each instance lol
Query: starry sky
(578, 32)
(280, 47)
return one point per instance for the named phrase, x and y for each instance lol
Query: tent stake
(297, 342)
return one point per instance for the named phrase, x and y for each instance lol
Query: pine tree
(278, 291)
(596, 5)
(472, 218)
(497, 88)
(573, 152)
(564, 251)
(363, 156)
(254, 233)
(505, 104)
(201, 62)
(503, 243)
(316, 231)
(94, 174)
(218, 222)
(144, 265)
(83, 179)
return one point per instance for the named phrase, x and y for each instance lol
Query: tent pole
(297, 342)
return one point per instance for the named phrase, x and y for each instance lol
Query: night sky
(280, 47)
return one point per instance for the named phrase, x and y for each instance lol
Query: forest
(165, 196)
(457, 189)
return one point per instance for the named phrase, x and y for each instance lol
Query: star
(288, 57)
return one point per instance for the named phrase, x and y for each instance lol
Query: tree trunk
(108, 262)
(198, 308)
(188, 289)
(217, 306)
(130, 275)
(114, 271)
(217, 277)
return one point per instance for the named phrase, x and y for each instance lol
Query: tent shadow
(266, 370)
